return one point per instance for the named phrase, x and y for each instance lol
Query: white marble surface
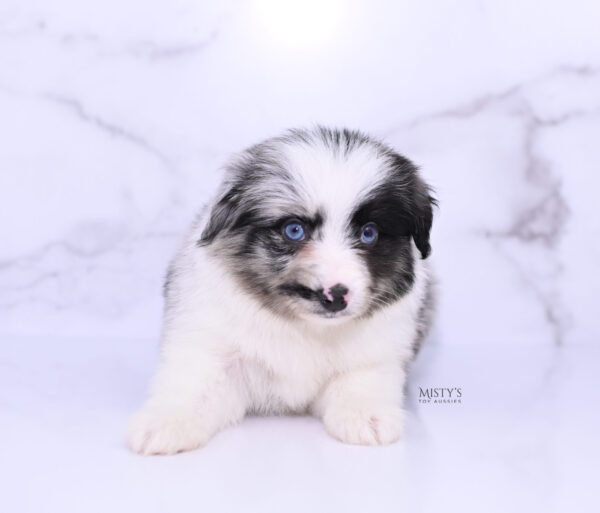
(114, 119)
(523, 439)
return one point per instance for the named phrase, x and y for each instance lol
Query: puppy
(303, 288)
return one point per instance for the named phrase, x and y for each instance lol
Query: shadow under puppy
(303, 288)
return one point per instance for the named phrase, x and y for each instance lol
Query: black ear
(422, 216)
(222, 215)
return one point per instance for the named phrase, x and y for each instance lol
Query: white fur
(224, 354)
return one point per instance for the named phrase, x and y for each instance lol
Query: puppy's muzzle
(333, 299)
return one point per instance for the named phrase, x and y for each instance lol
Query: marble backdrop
(116, 116)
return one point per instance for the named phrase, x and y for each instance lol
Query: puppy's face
(321, 225)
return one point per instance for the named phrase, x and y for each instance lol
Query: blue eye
(369, 233)
(294, 231)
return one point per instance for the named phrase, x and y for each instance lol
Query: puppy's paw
(157, 430)
(364, 426)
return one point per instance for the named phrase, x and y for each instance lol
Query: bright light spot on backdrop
(300, 23)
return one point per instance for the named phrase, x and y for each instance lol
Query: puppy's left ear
(422, 216)
(222, 214)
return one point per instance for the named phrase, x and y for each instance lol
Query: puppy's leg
(195, 393)
(363, 406)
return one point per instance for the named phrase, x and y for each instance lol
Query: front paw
(364, 426)
(156, 430)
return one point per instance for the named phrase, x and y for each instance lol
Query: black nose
(333, 300)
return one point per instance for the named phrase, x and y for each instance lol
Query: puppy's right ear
(422, 216)
(221, 216)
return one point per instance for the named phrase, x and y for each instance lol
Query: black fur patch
(402, 209)
(389, 259)
(297, 289)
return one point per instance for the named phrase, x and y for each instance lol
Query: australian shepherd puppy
(303, 287)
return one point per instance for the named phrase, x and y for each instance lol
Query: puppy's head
(321, 224)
